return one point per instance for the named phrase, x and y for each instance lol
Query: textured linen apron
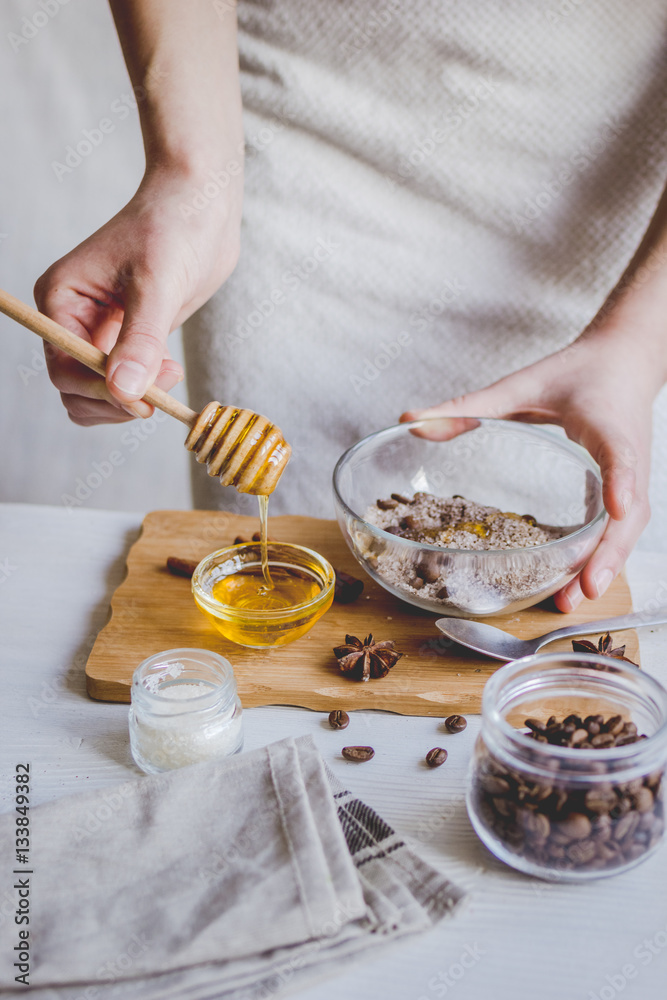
(438, 193)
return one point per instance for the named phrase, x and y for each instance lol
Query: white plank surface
(523, 937)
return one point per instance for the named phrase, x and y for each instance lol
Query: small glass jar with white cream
(185, 709)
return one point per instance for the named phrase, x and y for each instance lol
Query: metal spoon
(501, 645)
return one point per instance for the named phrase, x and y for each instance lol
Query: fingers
(498, 400)
(570, 596)
(611, 554)
(625, 475)
(607, 561)
(617, 460)
(87, 399)
(78, 385)
(138, 356)
(85, 412)
(619, 443)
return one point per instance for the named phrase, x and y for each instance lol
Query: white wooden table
(519, 936)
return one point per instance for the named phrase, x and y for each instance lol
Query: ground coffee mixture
(471, 585)
(458, 523)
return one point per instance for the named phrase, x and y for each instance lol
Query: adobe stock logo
(31, 26)
(373, 367)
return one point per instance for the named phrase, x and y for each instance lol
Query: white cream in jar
(185, 709)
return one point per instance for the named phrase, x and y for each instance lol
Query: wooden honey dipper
(239, 446)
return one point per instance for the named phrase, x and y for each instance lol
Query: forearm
(182, 59)
(634, 316)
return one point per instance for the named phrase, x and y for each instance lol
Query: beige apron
(437, 193)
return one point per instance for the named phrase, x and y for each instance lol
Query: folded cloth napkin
(236, 878)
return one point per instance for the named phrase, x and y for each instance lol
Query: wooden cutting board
(153, 611)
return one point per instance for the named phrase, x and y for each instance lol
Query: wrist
(632, 323)
(195, 166)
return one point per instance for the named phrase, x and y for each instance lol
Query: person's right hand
(130, 284)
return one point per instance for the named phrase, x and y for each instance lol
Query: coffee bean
(359, 754)
(442, 594)
(575, 826)
(339, 719)
(582, 851)
(495, 786)
(455, 724)
(643, 800)
(536, 825)
(600, 799)
(414, 523)
(633, 851)
(579, 736)
(614, 725)
(429, 569)
(387, 504)
(347, 588)
(625, 739)
(626, 826)
(536, 725)
(609, 852)
(416, 582)
(602, 827)
(623, 806)
(436, 757)
(504, 806)
(646, 821)
(602, 740)
(399, 498)
(558, 800)
(560, 838)
(593, 724)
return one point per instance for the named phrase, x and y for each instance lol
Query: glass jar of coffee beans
(566, 781)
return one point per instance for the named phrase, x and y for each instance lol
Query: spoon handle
(638, 619)
(85, 352)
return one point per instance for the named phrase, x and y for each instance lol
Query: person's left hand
(600, 390)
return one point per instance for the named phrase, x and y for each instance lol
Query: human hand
(130, 284)
(600, 390)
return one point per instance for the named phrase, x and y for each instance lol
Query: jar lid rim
(206, 657)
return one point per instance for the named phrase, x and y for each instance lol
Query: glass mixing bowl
(513, 466)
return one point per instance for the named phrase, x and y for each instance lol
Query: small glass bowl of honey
(233, 591)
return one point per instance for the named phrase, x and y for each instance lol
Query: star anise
(604, 647)
(363, 660)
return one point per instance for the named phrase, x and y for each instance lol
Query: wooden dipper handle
(85, 352)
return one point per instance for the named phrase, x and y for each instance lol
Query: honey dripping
(247, 590)
(257, 588)
(263, 541)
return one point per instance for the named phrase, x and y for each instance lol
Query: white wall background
(60, 81)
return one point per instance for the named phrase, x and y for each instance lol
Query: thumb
(498, 400)
(137, 356)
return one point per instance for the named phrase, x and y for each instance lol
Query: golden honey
(230, 588)
(248, 589)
